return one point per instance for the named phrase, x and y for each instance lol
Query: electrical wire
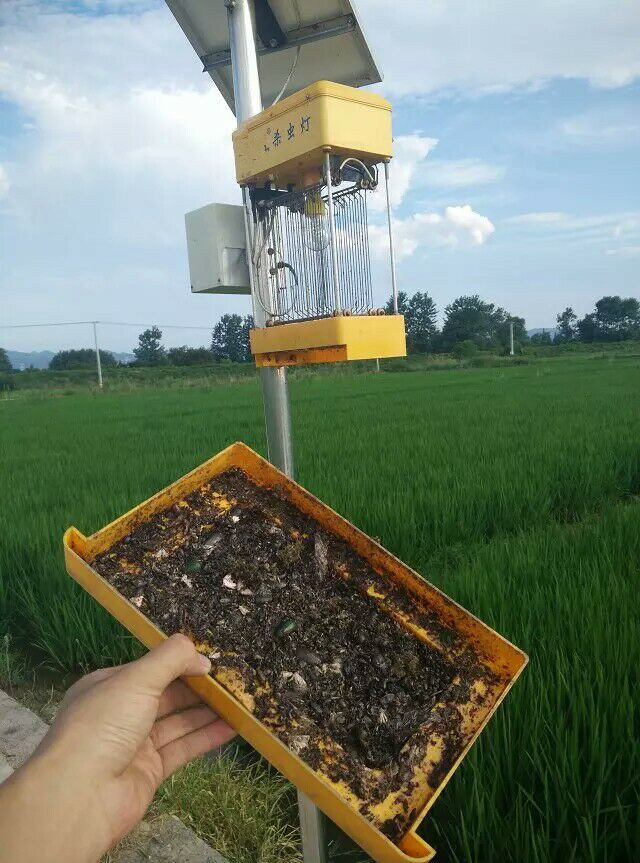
(362, 165)
(289, 76)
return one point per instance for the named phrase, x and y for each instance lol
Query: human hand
(119, 733)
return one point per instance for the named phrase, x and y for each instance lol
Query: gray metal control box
(217, 249)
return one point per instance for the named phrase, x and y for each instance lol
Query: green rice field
(514, 489)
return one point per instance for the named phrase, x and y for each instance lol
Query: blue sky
(516, 176)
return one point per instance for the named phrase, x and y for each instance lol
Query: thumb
(175, 657)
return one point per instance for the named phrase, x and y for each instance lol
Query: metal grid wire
(295, 259)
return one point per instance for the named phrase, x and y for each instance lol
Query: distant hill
(41, 359)
(551, 330)
(37, 359)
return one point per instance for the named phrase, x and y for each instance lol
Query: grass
(54, 384)
(240, 806)
(514, 489)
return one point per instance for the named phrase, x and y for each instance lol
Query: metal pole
(511, 338)
(332, 234)
(392, 256)
(248, 101)
(98, 363)
(275, 394)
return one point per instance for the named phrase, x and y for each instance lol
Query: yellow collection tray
(329, 340)
(335, 799)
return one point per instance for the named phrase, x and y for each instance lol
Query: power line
(103, 323)
(57, 324)
(161, 326)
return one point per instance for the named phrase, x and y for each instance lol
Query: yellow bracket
(329, 340)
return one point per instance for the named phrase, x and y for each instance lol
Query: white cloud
(5, 183)
(625, 251)
(120, 135)
(458, 173)
(489, 47)
(456, 227)
(543, 218)
(409, 151)
(601, 129)
(603, 228)
(105, 135)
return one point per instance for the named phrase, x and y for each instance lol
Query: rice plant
(513, 489)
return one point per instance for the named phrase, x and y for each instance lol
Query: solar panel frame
(332, 44)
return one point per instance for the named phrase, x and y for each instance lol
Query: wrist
(48, 814)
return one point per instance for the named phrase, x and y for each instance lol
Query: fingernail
(205, 663)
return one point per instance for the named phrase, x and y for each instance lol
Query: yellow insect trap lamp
(310, 164)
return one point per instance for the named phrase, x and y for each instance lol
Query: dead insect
(193, 565)
(211, 542)
(308, 656)
(287, 626)
(299, 742)
(299, 683)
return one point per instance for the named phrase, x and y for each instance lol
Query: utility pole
(248, 100)
(98, 363)
(275, 393)
(511, 338)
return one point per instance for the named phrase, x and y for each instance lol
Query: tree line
(469, 324)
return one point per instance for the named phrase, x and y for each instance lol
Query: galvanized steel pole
(392, 256)
(98, 363)
(510, 338)
(275, 394)
(248, 101)
(333, 237)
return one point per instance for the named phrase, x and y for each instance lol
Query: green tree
(185, 356)
(5, 362)
(464, 350)
(420, 323)
(471, 319)
(617, 318)
(567, 329)
(587, 329)
(82, 358)
(229, 339)
(150, 351)
(403, 304)
(247, 325)
(542, 338)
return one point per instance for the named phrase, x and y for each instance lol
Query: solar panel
(328, 33)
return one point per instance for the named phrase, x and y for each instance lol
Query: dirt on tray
(275, 600)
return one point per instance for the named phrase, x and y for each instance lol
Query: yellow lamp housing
(282, 144)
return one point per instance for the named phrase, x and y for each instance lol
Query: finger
(88, 681)
(177, 696)
(173, 658)
(181, 724)
(184, 749)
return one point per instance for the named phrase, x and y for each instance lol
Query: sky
(516, 171)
